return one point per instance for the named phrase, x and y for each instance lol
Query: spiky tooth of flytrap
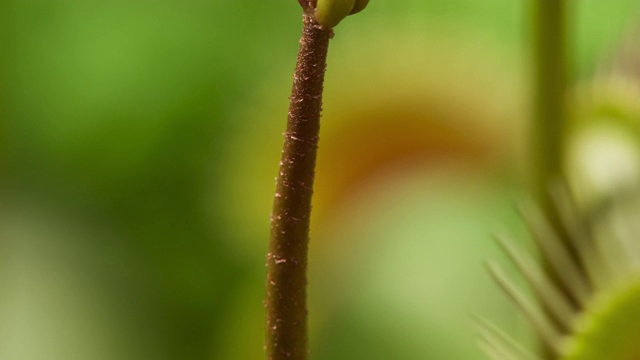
(556, 254)
(545, 290)
(579, 236)
(499, 345)
(542, 325)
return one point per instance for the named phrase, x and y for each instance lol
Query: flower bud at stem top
(330, 13)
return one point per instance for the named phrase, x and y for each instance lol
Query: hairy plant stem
(286, 311)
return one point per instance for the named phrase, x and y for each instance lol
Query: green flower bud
(329, 13)
(359, 6)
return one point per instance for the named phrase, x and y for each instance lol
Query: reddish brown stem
(286, 324)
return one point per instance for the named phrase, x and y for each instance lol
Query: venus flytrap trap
(585, 302)
(594, 311)
(286, 298)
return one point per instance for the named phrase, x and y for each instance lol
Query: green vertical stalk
(550, 110)
(286, 297)
(550, 78)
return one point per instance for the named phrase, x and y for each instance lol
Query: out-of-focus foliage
(139, 143)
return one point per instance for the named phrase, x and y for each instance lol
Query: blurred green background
(139, 144)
